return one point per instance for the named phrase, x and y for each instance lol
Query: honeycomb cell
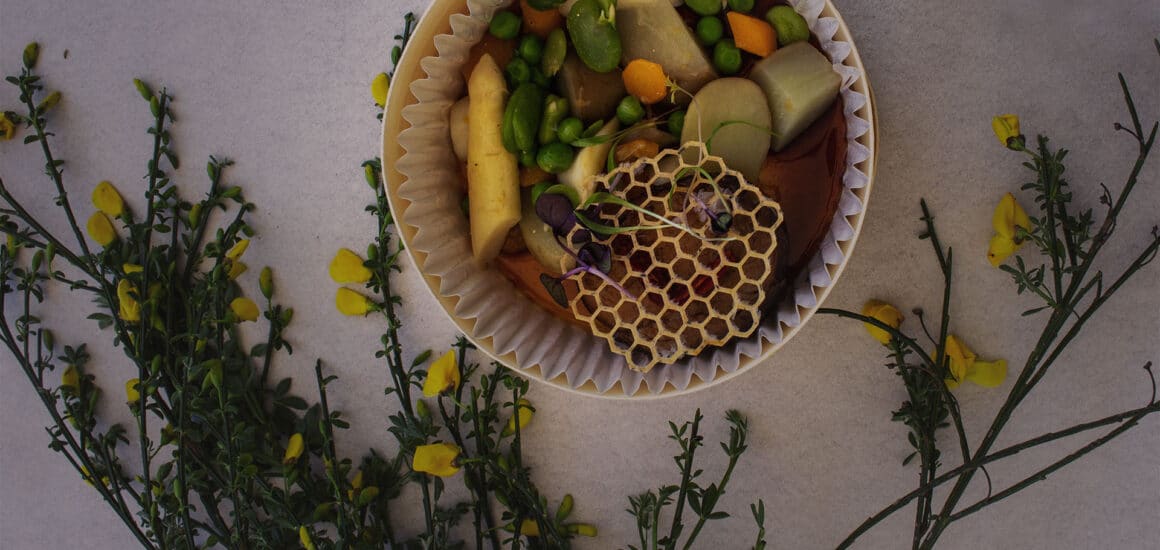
(652, 303)
(672, 321)
(734, 251)
(748, 294)
(722, 303)
(647, 329)
(610, 296)
(729, 184)
(641, 356)
(664, 252)
(709, 258)
(646, 237)
(640, 260)
(754, 267)
(692, 338)
(697, 312)
(678, 294)
(622, 244)
(767, 216)
(689, 244)
(622, 338)
(703, 285)
(606, 320)
(627, 311)
(748, 200)
(659, 277)
(761, 242)
(728, 277)
(636, 195)
(660, 188)
(684, 269)
(742, 224)
(742, 321)
(628, 218)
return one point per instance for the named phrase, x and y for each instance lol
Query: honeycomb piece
(682, 290)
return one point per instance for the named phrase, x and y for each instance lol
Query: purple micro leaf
(556, 211)
(555, 289)
(596, 255)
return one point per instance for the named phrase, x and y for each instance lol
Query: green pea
(531, 49)
(741, 5)
(789, 25)
(676, 123)
(594, 35)
(555, 157)
(555, 110)
(507, 130)
(629, 111)
(570, 130)
(527, 103)
(528, 158)
(505, 25)
(710, 30)
(555, 50)
(704, 7)
(726, 57)
(518, 71)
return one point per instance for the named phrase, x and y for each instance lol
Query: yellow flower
(885, 313)
(131, 392)
(529, 528)
(294, 449)
(304, 538)
(89, 478)
(524, 415)
(129, 307)
(352, 303)
(442, 375)
(131, 268)
(964, 365)
(244, 308)
(1006, 128)
(1006, 220)
(238, 249)
(436, 459)
(347, 267)
(70, 379)
(101, 229)
(236, 269)
(7, 128)
(108, 200)
(379, 88)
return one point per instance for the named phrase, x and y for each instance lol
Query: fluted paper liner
(507, 324)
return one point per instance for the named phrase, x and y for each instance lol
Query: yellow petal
(442, 376)
(529, 528)
(7, 128)
(294, 449)
(1006, 127)
(347, 267)
(1000, 249)
(238, 249)
(236, 269)
(379, 88)
(244, 308)
(101, 229)
(131, 268)
(107, 199)
(357, 482)
(351, 303)
(885, 313)
(131, 393)
(70, 378)
(129, 309)
(436, 459)
(988, 374)
(525, 415)
(304, 538)
(1009, 215)
(961, 360)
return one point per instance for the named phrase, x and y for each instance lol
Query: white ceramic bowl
(423, 185)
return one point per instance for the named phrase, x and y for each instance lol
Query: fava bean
(505, 25)
(630, 111)
(704, 7)
(788, 24)
(744, 6)
(676, 123)
(555, 157)
(570, 130)
(531, 49)
(555, 110)
(555, 50)
(710, 30)
(528, 158)
(726, 57)
(507, 130)
(518, 71)
(594, 35)
(527, 110)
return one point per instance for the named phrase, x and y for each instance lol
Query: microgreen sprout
(593, 258)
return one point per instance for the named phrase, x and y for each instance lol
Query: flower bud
(194, 215)
(48, 102)
(294, 449)
(372, 176)
(106, 199)
(1006, 128)
(31, 54)
(379, 88)
(266, 282)
(244, 308)
(143, 89)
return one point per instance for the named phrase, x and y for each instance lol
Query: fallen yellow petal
(379, 88)
(999, 249)
(238, 249)
(236, 269)
(436, 459)
(347, 267)
(442, 375)
(884, 313)
(988, 374)
(1008, 216)
(101, 229)
(352, 303)
(108, 200)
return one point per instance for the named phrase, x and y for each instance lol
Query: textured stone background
(283, 88)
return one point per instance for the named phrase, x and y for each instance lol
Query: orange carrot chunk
(752, 34)
(645, 80)
(540, 23)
